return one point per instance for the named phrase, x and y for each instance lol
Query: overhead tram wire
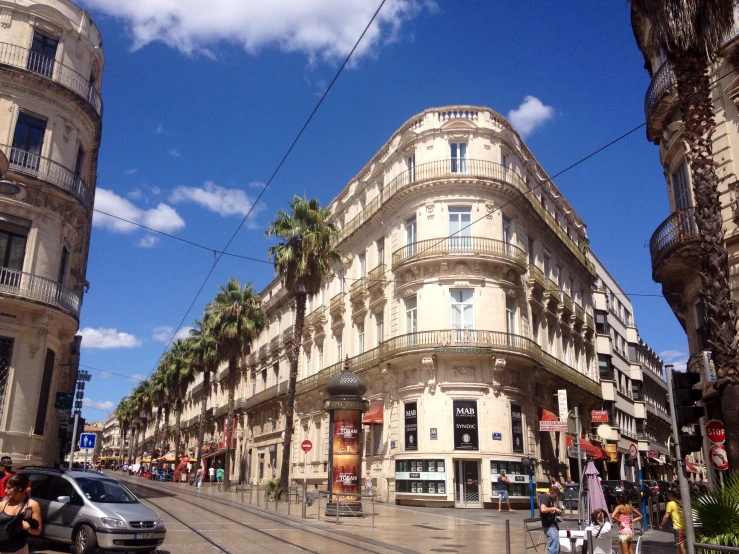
(271, 178)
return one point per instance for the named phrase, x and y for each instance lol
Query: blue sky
(203, 98)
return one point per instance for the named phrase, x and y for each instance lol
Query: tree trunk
(694, 92)
(294, 357)
(167, 410)
(730, 417)
(178, 431)
(203, 410)
(232, 365)
(156, 428)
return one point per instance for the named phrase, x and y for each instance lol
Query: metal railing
(473, 246)
(465, 169)
(711, 548)
(376, 276)
(23, 58)
(552, 289)
(567, 301)
(337, 302)
(276, 297)
(677, 229)
(316, 317)
(40, 289)
(662, 82)
(44, 169)
(358, 287)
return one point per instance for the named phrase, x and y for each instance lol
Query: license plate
(143, 536)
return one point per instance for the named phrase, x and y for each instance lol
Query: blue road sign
(87, 440)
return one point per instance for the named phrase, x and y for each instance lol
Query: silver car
(91, 510)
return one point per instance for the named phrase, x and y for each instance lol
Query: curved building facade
(51, 65)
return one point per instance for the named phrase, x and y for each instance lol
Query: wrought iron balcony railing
(40, 289)
(44, 169)
(23, 58)
(473, 246)
(677, 229)
(662, 82)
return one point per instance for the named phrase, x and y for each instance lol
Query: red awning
(691, 467)
(595, 452)
(546, 415)
(374, 415)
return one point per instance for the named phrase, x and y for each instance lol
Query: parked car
(90, 510)
(628, 489)
(651, 486)
(609, 493)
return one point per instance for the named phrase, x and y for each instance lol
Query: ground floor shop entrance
(467, 484)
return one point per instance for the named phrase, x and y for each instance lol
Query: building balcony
(376, 278)
(39, 289)
(318, 318)
(48, 68)
(458, 249)
(274, 299)
(536, 278)
(274, 343)
(287, 335)
(262, 352)
(661, 93)
(337, 308)
(358, 289)
(660, 414)
(674, 247)
(462, 170)
(28, 164)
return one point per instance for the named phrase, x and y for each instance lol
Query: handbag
(13, 527)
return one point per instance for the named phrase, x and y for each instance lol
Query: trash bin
(571, 496)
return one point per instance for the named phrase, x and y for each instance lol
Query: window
(341, 281)
(601, 322)
(636, 390)
(362, 203)
(380, 323)
(504, 160)
(42, 54)
(460, 228)
(681, 187)
(13, 235)
(253, 384)
(458, 153)
(339, 347)
(307, 365)
(377, 440)
(627, 317)
(507, 230)
(510, 315)
(565, 339)
(532, 254)
(547, 264)
(411, 314)
(380, 251)
(320, 356)
(410, 236)
(28, 140)
(360, 338)
(560, 278)
(43, 398)
(462, 310)
(363, 266)
(79, 164)
(410, 165)
(604, 367)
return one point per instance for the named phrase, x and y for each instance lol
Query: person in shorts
(503, 483)
(219, 475)
(674, 511)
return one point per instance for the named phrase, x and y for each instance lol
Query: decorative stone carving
(489, 208)
(429, 363)
(409, 376)
(6, 18)
(464, 372)
(461, 269)
(498, 372)
(384, 367)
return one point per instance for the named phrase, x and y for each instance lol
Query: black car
(609, 493)
(651, 486)
(628, 489)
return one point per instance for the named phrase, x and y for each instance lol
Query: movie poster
(345, 476)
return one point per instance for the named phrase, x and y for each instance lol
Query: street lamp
(530, 462)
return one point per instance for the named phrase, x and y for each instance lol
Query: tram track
(267, 516)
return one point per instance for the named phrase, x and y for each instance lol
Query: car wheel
(85, 540)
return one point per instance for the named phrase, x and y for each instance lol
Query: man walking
(368, 484)
(548, 513)
(674, 510)
(503, 483)
(219, 475)
(211, 474)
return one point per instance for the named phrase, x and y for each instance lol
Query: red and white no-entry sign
(306, 445)
(718, 457)
(715, 431)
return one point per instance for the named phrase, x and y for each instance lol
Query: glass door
(462, 315)
(460, 229)
(467, 484)
(410, 237)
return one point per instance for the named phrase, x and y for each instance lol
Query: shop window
(420, 476)
(516, 473)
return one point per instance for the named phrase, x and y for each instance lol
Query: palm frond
(717, 511)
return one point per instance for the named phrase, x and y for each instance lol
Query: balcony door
(410, 237)
(42, 55)
(458, 155)
(28, 140)
(462, 314)
(460, 229)
(683, 199)
(13, 237)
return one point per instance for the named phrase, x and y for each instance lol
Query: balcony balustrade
(376, 277)
(276, 297)
(39, 289)
(579, 312)
(48, 171)
(23, 58)
(663, 82)
(459, 246)
(357, 289)
(336, 306)
(287, 335)
(461, 169)
(567, 302)
(677, 230)
(274, 343)
(317, 317)
(536, 277)
(262, 351)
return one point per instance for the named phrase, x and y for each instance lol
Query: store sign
(653, 454)
(346, 461)
(599, 416)
(433, 433)
(411, 426)
(516, 428)
(422, 475)
(553, 426)
(465, 425)
(562, 401)
(497, 436)
(612, 451)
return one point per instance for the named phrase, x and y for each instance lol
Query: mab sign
(465, 425)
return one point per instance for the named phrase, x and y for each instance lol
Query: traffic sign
(572, 453)
(87, 440)
(718, 458)
(306, 445)
(715, 431)
(633, 452)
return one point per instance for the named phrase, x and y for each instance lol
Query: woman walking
(20, 516)
(625, 515)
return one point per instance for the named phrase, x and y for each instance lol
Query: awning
(215, 453)
(595, 452)
(546, 415)
(374, 415)
(691, 467)
(656, 461)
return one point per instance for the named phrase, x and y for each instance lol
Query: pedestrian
(674, 510)
(557, 485)
(199, 477)
(211, 474)
(219, 475)
(6, 472)
(625, 515)
(368, 484)
(20, 515)
(503, 483)
(548, 513)
(600, 527)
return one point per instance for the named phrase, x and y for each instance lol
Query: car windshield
(106, 491)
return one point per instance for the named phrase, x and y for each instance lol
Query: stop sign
(715, 431)
(306, 445)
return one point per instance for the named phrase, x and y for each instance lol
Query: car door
(61, 517)
(40, 491)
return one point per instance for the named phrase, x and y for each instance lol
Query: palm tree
(158, 393)
(303, 257)
(717, 513)
(123, 413)
(236, 318)
(142, 410)
(691, 32)
(205, 356)
(180, 374)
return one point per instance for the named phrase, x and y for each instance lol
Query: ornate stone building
(51, 65)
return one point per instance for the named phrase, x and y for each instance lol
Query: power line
(111, 373)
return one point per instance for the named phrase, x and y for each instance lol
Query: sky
(202, 100)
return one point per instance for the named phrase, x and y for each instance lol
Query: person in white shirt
(600, 527)
(211, 474)
(199, 477)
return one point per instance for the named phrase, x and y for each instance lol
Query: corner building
(51, 65)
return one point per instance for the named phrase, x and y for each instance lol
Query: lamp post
(530, 462)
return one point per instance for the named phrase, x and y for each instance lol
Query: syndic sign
(517, 428)
(465, 425)
(411, 426)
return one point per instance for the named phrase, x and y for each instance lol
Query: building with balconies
(51, 65)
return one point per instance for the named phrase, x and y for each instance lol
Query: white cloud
(530, 115)
(131, 171)
(164, 333)
(137, 377)
(320, 29)
(677, 358)
(174, 153)
(159, 129)
(162, 218)
(98, 404)
(256, 185)
(149, 241)
(223, 201)
(103, 339)
(135, 194)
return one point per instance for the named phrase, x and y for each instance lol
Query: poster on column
(411, 426)
(516, 428)
(345, 476)
(465, 425)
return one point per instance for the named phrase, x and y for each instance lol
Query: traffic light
(686, 412)
(690, 443)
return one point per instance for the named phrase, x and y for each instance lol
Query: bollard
(507, 536)
(277, 500)
(590, 542)
(257, 494)
(373, 511)
(242, 493)
(525, 538)
(250, 489)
